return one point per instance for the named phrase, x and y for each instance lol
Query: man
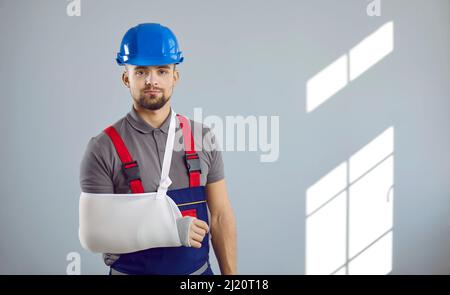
(132, 156)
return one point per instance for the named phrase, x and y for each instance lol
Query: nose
(150, 79)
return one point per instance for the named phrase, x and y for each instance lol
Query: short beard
(151, 104)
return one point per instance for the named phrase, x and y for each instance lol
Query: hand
(109, 258)
(197, 232)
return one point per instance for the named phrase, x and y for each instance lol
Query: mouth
(152, 91)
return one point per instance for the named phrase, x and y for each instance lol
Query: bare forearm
(223, 237)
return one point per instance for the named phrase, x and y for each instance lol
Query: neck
(154, 118)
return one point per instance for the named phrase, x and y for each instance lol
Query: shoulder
(202, 131)
(205, 138)
(101, 143)
(210, 150)
(198, 126)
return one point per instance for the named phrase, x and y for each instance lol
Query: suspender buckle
(131, 170)
(193, 162)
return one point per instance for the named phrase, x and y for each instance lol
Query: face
(150, 86)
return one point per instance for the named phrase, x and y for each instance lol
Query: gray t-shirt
(101, 168)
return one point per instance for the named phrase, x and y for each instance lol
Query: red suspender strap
(191, 156)
(130, 167)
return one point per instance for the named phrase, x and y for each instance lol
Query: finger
(201, 224)
(197, 237)
(109, 259)
(199, 231)
(195, 244)
(109, 255)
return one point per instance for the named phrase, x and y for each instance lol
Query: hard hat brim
(142, 61)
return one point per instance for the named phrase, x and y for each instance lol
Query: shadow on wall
(349, 211)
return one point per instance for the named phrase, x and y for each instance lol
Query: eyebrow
(159, 67)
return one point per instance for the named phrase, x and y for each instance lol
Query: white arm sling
(125, 223)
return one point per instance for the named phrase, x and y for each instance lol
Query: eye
(139, 73)
(162, 72)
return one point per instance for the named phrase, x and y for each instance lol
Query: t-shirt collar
(139, 124)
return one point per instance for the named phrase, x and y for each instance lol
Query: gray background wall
(60, 86)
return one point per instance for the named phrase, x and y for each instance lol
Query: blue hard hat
(149, 44)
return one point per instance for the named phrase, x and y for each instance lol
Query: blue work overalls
(191, 201)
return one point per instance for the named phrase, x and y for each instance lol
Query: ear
(176, 77)
(126, 79)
